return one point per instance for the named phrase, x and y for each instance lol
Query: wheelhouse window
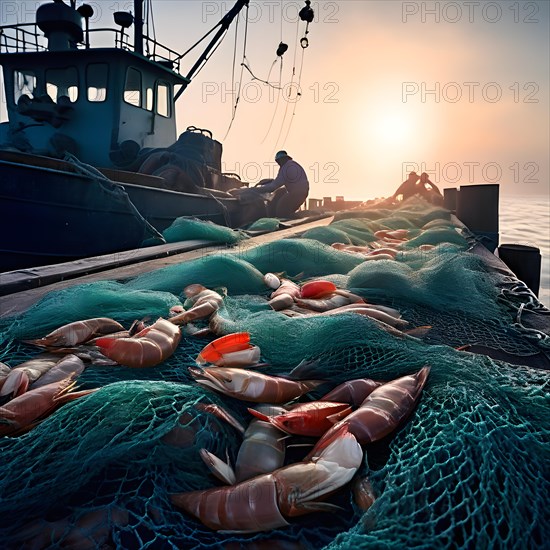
(24, 83)
(149, 99)
(62, 83)
(132, 87)
(96, 81)
(163, 99)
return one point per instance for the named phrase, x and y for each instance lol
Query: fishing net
(185, 229)
(264, 224)
(470, 468)
(328, 235)
(305, 257)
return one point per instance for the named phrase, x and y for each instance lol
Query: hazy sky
(457, 89)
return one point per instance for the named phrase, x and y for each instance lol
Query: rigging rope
(298, 88)
(241, 76)
(276, 101)
(290, 86)
(306, 14)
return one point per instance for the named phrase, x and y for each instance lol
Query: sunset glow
(381, 84)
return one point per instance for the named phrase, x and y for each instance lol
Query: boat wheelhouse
(90, 162)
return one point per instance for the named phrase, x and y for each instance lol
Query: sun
(393, 128)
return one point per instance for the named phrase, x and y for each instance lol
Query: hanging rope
(281, 50)
(306, 14)
(241, 76)
(152, 20)
(304, 45)
(266, 82)
(234, 62)
(290, 86)
(279, 88)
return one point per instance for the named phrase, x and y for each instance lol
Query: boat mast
(138, 26)
(224, 25)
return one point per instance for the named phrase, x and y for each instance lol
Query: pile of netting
(186, 229)
(470, 468)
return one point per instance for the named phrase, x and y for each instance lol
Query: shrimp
(265, 501)
(353, 392)
(285, 295)
(203, 301)
(382, 411)
(78, 332)
(317, 289)
(18, 379)
(309, 419)
(252, 386)
(22, 413)
(147, 348)
(231, 350)
(262, 451)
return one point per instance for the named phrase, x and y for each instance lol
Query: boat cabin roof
(46, 59)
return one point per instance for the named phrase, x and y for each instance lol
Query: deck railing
(24, 37)
(27, 37)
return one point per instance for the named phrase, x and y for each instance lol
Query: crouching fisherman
(294, 185)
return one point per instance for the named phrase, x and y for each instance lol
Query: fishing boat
(90, 162)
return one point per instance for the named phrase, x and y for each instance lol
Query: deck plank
(124, 265)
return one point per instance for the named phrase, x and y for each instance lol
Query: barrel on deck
(524, 261)
(450, 198)
(477, 208)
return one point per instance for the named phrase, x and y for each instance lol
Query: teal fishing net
(470, 468)
(328, 235)
(264, 224)
(186, 229)
(304, 257)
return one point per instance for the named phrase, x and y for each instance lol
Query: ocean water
(526, 220)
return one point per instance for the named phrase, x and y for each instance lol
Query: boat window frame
(150, 98)
(107, 76)
(168, 87)
(36, 90)
(141, 94)
(78, 83)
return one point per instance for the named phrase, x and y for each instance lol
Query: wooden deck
(21, 289)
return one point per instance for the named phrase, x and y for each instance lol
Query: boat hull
(50, 216)
(53, 211)
(160, 207)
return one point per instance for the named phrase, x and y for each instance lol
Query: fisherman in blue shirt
(292, 179)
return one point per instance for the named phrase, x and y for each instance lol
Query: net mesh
(187, 229)
(469, 469)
